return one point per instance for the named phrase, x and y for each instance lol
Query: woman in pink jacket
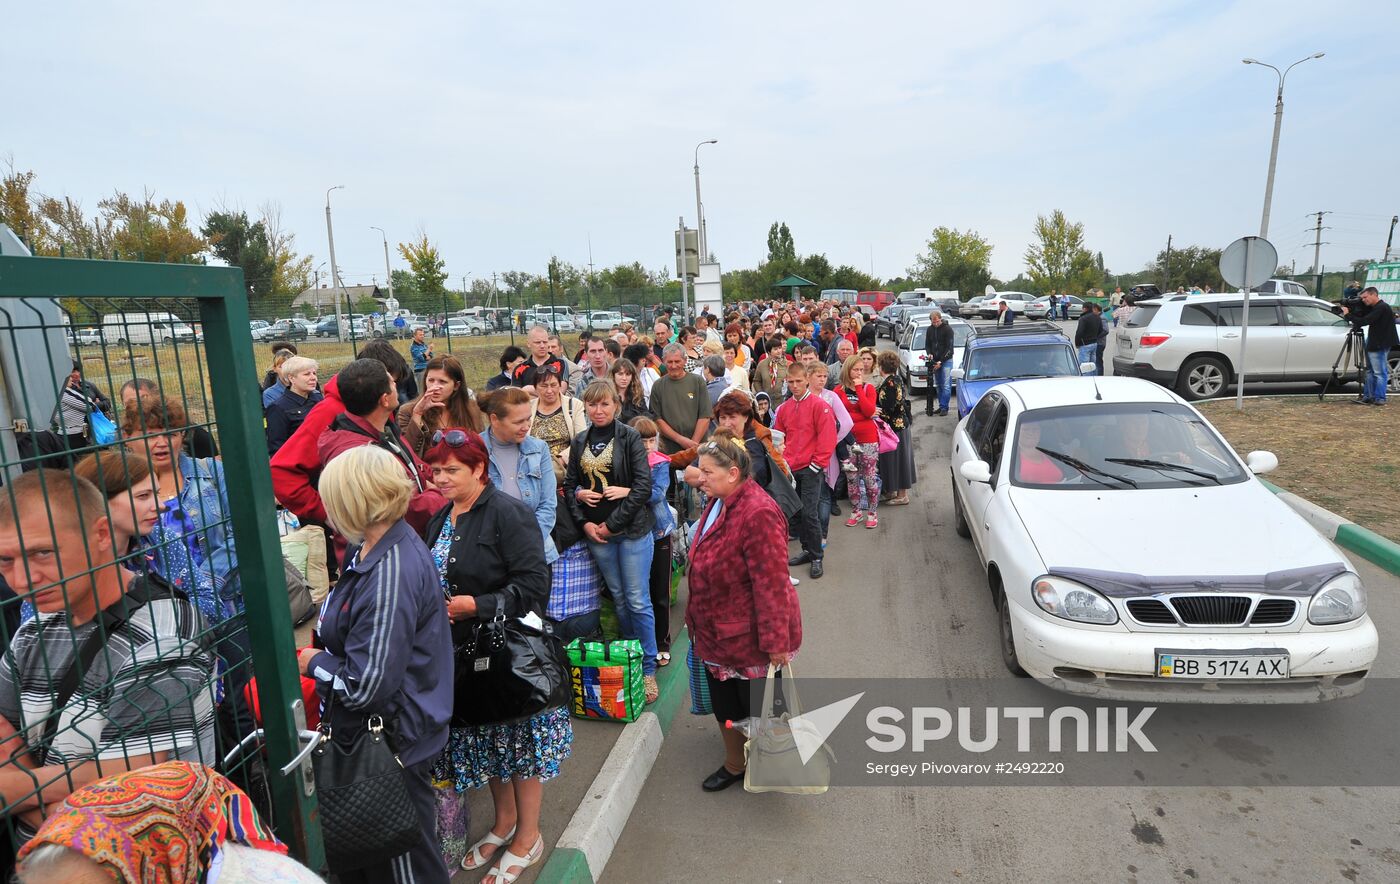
(743, 612)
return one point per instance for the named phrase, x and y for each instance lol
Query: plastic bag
(776, 746)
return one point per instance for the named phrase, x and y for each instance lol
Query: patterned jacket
(742, 605)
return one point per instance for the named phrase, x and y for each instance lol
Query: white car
(604, 319)
(463, 326)
(86, 337)
(1016, 302)
(1229, 597)
(913, 355)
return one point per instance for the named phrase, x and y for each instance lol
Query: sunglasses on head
(453, 438)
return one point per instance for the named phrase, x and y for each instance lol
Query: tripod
(1353, 356)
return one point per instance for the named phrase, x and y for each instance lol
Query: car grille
(1211, 610)
(1273, 611)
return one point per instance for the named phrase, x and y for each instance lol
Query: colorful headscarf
(163, 824)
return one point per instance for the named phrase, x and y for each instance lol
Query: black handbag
(367, 815)
(780, 489)
(508, 671)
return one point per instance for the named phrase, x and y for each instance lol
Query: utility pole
(553, 318)
(1317, 243)
(1167, 264)
(1390, 237)
(335, 269)
(685, 279)
(589, 310)
(464, 291)
(388, 274)
(1278, 126)
(704, 254)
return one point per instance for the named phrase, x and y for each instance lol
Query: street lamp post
(317, 286)
(699, 210)
(335, 269)
(388, 274)
(1278, 125)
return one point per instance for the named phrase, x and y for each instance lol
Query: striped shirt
(150, 689)
(73, 411)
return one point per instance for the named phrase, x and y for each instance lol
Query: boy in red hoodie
(810, 428)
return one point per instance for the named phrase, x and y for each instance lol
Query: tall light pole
(1278, 125)
(335, 269)
(699, 210)
(388, 274)
(317, 286)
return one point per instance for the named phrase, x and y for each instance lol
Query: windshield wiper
(1162, 465)
(1085, 468)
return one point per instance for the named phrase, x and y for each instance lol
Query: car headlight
(1073, 601)
(1342, 599)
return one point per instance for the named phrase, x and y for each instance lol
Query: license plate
(1271, 664)
(1125, 343)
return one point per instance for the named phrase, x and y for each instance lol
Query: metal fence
(157, 578)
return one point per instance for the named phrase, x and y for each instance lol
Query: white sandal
(474, 855)
(501, 871)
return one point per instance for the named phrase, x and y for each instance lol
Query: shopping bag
(776, 745)
(452, 820)
(606, 679)
(104, 430)
(699, 687)
(888, 438)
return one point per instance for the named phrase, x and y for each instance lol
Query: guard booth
(130, 412)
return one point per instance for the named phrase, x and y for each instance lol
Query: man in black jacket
(938, 343)
(1378, 320)
(1087, 335)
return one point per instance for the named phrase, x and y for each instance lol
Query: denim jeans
(809, 529)
(827, 500)
(1098, 357)
(1086, 353)
(1377, 374)
(626, 568)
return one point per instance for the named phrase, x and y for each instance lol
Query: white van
(139, 327)
(845, 296)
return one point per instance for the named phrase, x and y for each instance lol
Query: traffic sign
(1248, 261)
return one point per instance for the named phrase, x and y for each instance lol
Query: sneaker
(1362, 400)
(815, 570)
(855, 518)
(1377, 402)
(871, 521)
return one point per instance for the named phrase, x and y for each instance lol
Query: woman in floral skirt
(490, 553)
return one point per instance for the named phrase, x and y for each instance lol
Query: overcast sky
(511, 131)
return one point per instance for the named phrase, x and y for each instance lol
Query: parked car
(1232, 597)
(1192, 342)
(971, 306)
(1015, 302)
(887, 320)
(325, 328)
(998, 355)
(913, 355)
(876, 301)
(1143, 291)
(604, 319)
(1040, 307)
(141, 327)
(85, 337)
(463, 326)
(285, 330)
(951, 305)
(258, 329)
(908, 315)
(1282, 287)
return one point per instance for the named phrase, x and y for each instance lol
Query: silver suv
(1192, 342)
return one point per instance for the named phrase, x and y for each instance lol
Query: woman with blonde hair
(446, 401)
(385, 642)
(299, 395)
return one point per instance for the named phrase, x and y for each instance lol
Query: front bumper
(1127, 368)
(1122, 665)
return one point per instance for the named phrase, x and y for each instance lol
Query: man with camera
(1377, 319)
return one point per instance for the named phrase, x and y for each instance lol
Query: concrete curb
(1348, 535)
(584, 848)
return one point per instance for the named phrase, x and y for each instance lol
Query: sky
(510, 132)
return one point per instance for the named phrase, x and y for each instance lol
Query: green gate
(184, 328)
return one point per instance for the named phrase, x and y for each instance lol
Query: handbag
(774, 759)
(104, 430)
(508, 670)
(606, 679)
(780, 488)
(367, 816)
(889, 439)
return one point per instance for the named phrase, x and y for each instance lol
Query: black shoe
(928, 412)
(835, 510)
(720, 780)
(1361, 400)
(942, 412)
(816, 570)
(801, 558)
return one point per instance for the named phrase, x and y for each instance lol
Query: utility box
(687, 252)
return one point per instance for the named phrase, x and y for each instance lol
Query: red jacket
(742, 606)
(861, 407)
(296, 466)
(810, 428)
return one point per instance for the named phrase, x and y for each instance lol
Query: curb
(587, 843)
(1350, 536)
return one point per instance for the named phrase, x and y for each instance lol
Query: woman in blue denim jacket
(520, 463)
(660, 576)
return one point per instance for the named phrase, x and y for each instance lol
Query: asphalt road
(908, 600)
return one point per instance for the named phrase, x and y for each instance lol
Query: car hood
(1230, 530)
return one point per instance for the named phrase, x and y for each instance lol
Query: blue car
(1001, 354)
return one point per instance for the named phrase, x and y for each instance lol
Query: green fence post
(244, 448)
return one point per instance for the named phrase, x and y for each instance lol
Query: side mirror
(957, 374)
(1087, 368)
(1261, 462)
(976, 471)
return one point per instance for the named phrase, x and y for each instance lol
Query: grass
(1338, 455)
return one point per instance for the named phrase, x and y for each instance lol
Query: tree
(427, 264)
(625, 276)
(150, 230)
(781, 250)
(517, 281)
(848, 277)
(241, 243)
(1058, 260)
(1190, 265)
(17, 210)
(291, 273)
(955, 261)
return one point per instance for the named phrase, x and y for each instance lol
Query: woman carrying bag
(386, 647)
(490, 560)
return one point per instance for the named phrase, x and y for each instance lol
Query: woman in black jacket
(608, 489)
(490, 554)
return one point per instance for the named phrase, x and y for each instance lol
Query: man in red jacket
(810, 428)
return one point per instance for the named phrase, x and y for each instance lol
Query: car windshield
(1029, 361)
(920, 339)
(1120, 445)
